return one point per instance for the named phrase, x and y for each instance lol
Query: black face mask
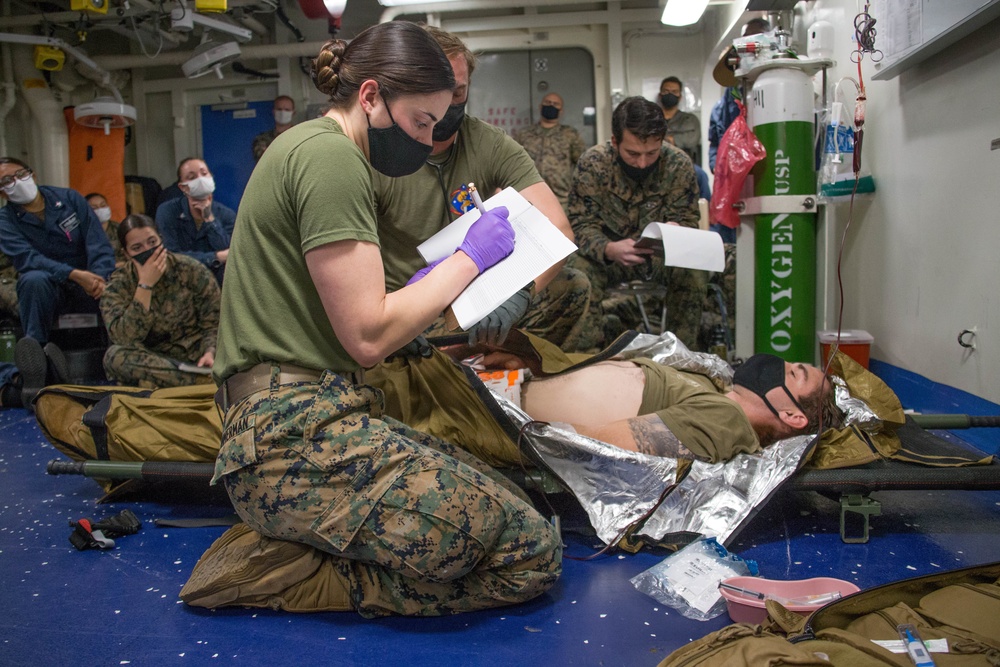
(550, 112)
(669, 100)
(449, 124)
(638, 174)
(393, 152)
(144, 256)
(760, 374)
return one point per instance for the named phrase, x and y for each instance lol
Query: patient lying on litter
(644, 406)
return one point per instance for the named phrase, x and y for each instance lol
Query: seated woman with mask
(102, 210)
(196, 224)
(162, 312)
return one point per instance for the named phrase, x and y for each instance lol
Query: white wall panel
(921, 258)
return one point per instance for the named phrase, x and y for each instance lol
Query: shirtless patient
(647, 407)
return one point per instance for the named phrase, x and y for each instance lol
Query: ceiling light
(335, 7)
(682, 12)
(210, 56)
(104, 112)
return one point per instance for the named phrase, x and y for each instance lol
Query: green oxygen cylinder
(781, 115)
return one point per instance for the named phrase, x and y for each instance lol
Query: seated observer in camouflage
(554, 147)
(162, 313)
(619, 188)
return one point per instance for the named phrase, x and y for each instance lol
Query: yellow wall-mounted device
(49, 58)
(209, 6)
(96, 6)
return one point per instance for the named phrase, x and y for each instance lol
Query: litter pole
(149, 471)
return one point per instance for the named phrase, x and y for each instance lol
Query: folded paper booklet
(538, 245)
(684, 247)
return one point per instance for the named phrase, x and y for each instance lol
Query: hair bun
(326, 66)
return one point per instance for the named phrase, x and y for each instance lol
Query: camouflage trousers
(611, 313)
(557, 313)
(422, 528)
(8, 299)
(137, 366)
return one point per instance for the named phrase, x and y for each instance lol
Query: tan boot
(244, 568)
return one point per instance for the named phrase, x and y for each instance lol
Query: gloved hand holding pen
(489, 239)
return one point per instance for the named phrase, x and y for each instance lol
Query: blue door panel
(226, 138)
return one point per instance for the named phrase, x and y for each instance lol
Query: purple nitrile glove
(489, 239)
(422, 272)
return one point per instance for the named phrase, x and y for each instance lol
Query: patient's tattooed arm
(652, 437)
(647, 435)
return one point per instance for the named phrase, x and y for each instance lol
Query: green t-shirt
(312, 186)
(413, 208)
(711, 425)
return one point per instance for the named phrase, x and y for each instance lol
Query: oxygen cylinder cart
(780, 112)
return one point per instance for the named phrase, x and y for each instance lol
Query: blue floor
(61, 606)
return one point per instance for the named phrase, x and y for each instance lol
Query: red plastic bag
(739, 151)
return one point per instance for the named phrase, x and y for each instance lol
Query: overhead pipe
(390, 13)
(293, 50)
(9, 95)
(9, 87)
(556, 20)
(100, 76)
(31, 20)
(50, 137)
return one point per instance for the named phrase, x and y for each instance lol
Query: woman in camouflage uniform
(161, 310)
(396, 521)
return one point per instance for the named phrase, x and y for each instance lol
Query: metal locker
(508, 86)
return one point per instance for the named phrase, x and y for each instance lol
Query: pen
(477, 200)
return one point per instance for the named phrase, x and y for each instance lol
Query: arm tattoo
(653, 437)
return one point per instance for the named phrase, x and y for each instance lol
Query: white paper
(901, 29)
(538, 245)
(696, 579)
(897, 645)
(686, 247)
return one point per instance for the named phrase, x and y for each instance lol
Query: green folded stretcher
(853, 485)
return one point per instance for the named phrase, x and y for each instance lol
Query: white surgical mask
(22, 191)
(201, 187)
(103, 213)
(283, 117)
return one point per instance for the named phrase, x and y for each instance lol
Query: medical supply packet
(689, 580)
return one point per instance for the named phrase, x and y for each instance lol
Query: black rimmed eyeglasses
(19, 175)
